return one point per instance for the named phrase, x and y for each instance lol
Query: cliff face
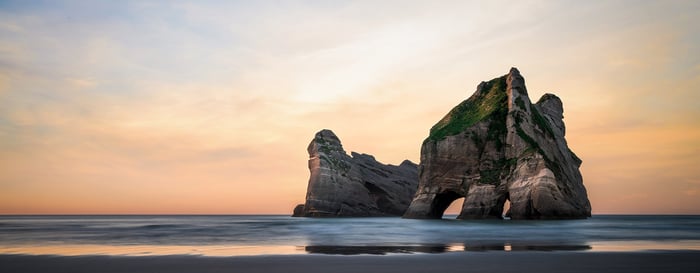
(357, 185)
(498, 146)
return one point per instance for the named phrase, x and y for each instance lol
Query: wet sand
(531, 261)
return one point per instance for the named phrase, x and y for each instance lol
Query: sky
(207, 107)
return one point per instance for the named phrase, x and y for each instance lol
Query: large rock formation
(498, 146)
(341, 185)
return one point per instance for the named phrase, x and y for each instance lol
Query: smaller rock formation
(357, 185)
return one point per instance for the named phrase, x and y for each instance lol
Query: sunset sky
(208, 107)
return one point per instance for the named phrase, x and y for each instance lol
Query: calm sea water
(250, 235)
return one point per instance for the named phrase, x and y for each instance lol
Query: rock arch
(498, 146)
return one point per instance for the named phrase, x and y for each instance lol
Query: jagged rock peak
(341, 185)
(326, 139)
(548, 96)
(497, 146)
(408, 163)
(516, 81)
(327, 135)
(514, 71)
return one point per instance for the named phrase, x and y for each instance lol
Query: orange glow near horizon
(135, 108)
(245, 250)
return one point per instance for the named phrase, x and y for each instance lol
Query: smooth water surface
(249, 235)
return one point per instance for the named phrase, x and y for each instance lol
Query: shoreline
(488, 261)
(233, 250)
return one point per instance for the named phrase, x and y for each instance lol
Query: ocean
(239, 235)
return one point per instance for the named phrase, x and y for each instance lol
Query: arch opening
(441, 202)
(503, 207)
(454, 209)
(505, 215)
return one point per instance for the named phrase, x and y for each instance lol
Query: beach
(243, 243)
(534, 261)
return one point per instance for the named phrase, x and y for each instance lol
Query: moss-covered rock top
(490, 97)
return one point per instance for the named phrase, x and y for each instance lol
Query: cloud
(192, 107)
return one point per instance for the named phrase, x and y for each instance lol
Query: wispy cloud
(208, 107)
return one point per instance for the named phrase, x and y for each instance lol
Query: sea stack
(354, 186)
(497, 146)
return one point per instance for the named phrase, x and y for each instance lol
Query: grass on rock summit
(491, 98)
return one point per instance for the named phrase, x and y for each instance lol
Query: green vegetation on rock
(551, 164)
(520, 103)
(541, 122)
(500, 168)
(490, 100)
(492, 176)
(533, 144)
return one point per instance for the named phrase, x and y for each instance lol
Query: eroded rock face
(498, 146)
(356, 185)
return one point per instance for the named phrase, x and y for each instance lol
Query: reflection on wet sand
(516, 247)
(232, 250)
(375, 250)
(248, 250)
(381, 250)
(150, 250)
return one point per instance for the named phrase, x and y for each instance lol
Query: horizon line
(290, 215)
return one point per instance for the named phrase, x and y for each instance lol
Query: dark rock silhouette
(498, 146)
(357, 185)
